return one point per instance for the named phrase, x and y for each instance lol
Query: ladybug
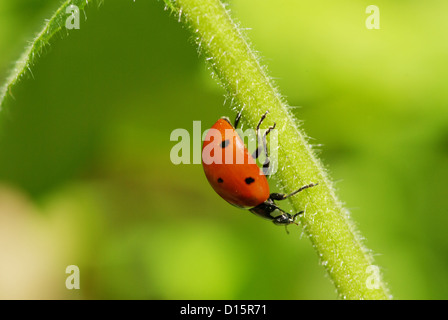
(241, 182)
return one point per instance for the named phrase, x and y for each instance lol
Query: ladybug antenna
(294, 217)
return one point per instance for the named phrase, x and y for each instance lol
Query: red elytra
(235, 176)
(241, 184)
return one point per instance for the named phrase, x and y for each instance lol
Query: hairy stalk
(23, 65)
(325, 221)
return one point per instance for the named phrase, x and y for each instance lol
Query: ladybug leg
(293, 219)
(257, 152)
(265, 209)
(282, 196)
(263, 145)
(285, 219)
(267, 161)
(237, 119)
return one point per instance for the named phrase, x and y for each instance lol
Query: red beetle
(240, 181)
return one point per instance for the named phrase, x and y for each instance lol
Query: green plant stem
(24, 64)
(326, 223)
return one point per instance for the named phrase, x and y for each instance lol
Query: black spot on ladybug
(225, 143)
(249, 180)
(220, 180)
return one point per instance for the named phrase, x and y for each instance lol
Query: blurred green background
(85, 171)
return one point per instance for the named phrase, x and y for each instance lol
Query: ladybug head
(284, 219)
